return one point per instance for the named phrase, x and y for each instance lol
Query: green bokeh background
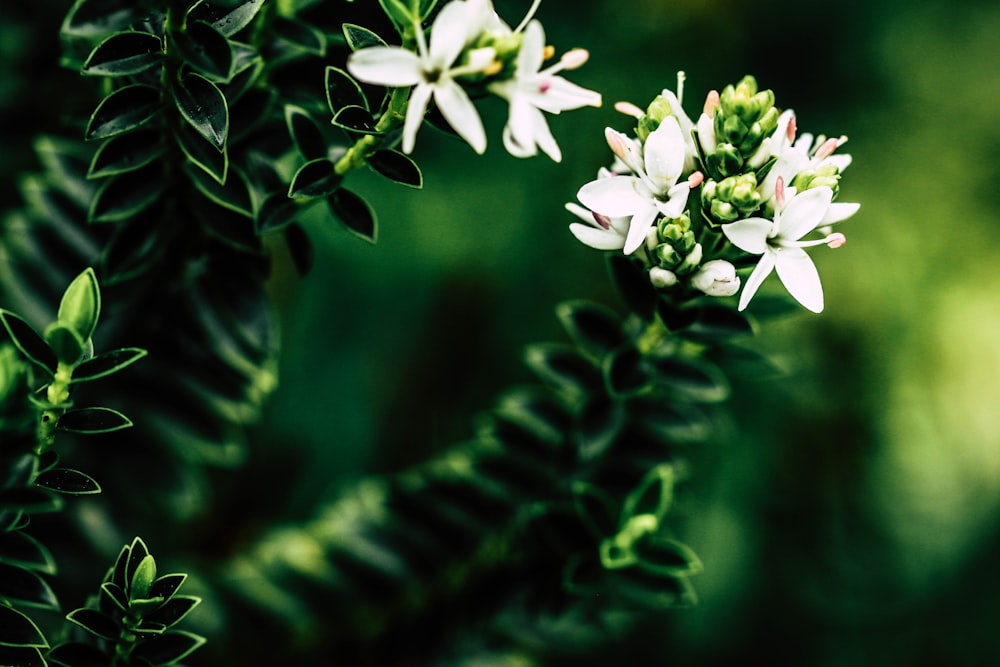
(852, 515)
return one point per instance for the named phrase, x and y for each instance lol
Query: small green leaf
(399, 13)
(25, 587)
(299, 34)
(625, 372)
(19, 548)
(633, 285)
(355, 213)
(203, 154)
(233, 195)
(277, 212)
(168, 648)
(305, 132)
(16, 629)
(22, 656)
(653, 495)
(95, 622)
(715, 322)
(125, 195)
(166, 586)
(93, 420)
(594, 328)
(107, 363)
(205, 50)
(204, 107)
(81, 304)
(143, 578)
(30, 500)
(359, 37)
(595, 508)
(115, 595)
(30, 344)
(397, 167)
(123, 54)
(68, 481)
(174, 610)
(65, 342)
(342, 91)
(355, 119)
(125, 152)
(123, 111)
(78, 654)
(598, 425)
(667, 557)
(316, 178)
(698, 380)
(227, 22)
(562, 366)
(93, 18)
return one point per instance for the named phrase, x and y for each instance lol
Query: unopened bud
(661, 278)
(574, 58)
(716, 278)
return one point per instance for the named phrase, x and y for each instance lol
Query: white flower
(599, 232)
(777, 242)
(431, 71)
(797, 155)
(716, 278)
(651, 190)
(533, 90)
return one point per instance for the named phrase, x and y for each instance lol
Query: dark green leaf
(355, 119)
(168, 648)
(314, 179)
(300, 35)
(598, 424)
(596, 509)
(68, 481)
(675, 424)
(359, 37)
(398, 11)
(647, 590)
(397, 167)
(534, 412)
(123, 196)
(95, 622)
(93, 18)
(25, 587)
(247, 66)
(133, 248)
(233, 195)
(625, 372)
(342, 91)
(664, 556)
(300, 248)
(563, 366)
(205, 50)
(204, 107)
(19, 548)
(174, 610)
(225, 20)
(123, 54)
(633, 285)
(126, 152)
(305, 132)
(16, 629)
(234, 229)
(584, 576)
(27, 340)
(137, 553)
(76, 654)
(355, 213)
(653, 495)
(21, 656)
(93, 420)
(698, 380)
(107, 363)
(592, 327)
(166, 586)
(277, 212)
(203, 154)
(715, 322)
(30, 500)
(675, 317)
(21, 471)
(65, 342)
(123, 111)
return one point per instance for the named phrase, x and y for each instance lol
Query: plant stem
(393, 116)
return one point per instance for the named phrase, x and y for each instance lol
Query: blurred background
(852, 517)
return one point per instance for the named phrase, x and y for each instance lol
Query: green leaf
(68, 481)
(342, 91)
(227, 22)
(133, 249)
(664, 556)
(168, 648)
(305, 132)
(166, 586)
(697, 380)
(125, 152)
(65, 342)
(563, 367)
(107, 363)
(93, 420)
(399, 13)
(316, 178)
(355, 213)
(30, 344)
(205, 50)
(76, 654)
(233, 195)
(594, 328)
(25, 587)
(204, 107)
(685, 423)
(647, 590)
(174, 610)
(124, 53)
(598, 425)
(22, 656)
(653, 495)
(203, 154)
(359, 37)
(355, 119)
(300, 248)
(596, 509)
(226, 225)
(301, 35)
(114, 594)
(125, 195)
(16, 629)
(96, 623)
(31, 500)
(397, 167)
(122, 111)
(715, 322)
(93, 18)
(19, 548)
(81, 304)
(633, 285)
(276, 212)
(143, 578)
(625, 372)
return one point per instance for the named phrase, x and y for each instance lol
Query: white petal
(706, 133)
(664, 153)
(385, 66)
(460, 112)
(601, 239)
(415, 110)
(450, 33)
(626, 149)
(532, 53)
(799, 276)
(543, 137)
(749, 235)
(839, 212)
(678, 197)
(637, 228)
(840, 160)
(561, 95)
(580, 212)
(804, 212)
(615, 196)
(760, 272)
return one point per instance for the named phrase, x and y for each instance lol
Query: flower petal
(614, 196)
(799, 276)
(803, 213)
(385, 66)
(532, 52)
(663, 154)
(839, 212)
(749, 235)
(451, 32)
(460, 112)
(562, 95)
(415, 110)
(601, 239)
(641, 223)
(760, 272)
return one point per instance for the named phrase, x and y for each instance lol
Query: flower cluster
(761, 191)
(469, 49)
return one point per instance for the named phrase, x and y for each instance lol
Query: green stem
(57, 395)
(392, 118)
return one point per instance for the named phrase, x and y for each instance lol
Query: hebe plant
(219, 125)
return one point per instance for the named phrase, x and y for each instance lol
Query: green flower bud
(745, 117)
(666, 256)
(731, 198)
(692, 261)
(725, 160)
(723, 211)
(657, 110)
(827, 175)
(671, 230)
(81, 305)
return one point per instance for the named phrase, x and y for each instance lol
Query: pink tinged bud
(790, 130)
(574, 58)
(711, 103)
(828, 146)
(629, 109)
(602, 220)
(618, 143)
(695, 179)
(779, 193)
(835, 240)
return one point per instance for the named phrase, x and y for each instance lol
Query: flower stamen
(629, 109)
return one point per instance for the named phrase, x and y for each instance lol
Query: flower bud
(661, 278)
(731, 198)
(827, 175)
(692, 260)
(716, 278)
